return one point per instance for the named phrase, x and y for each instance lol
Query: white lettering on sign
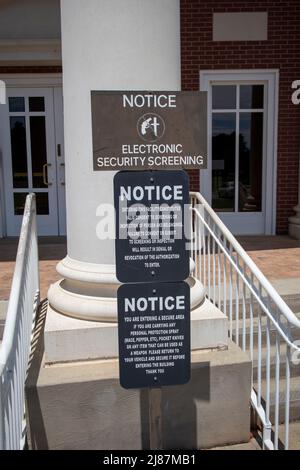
(131, 162)
(141, 304)
(138, 193)
(128, 149)
(296, 94)
(149, 101)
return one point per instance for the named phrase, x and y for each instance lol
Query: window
(28, 150)
(237, 147)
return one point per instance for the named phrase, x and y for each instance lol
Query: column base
(294, 231)
(89, 291)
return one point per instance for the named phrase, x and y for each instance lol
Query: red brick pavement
(277, 256)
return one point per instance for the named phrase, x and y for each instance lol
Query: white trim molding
(270, 77)
(24, 80)
(30, 52)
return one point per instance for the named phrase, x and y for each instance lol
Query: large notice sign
(149, 130)
(152, 226)
(154, 334)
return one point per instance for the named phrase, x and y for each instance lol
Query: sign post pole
(155, 418)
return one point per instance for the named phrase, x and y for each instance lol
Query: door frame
(60, 159)
(37, 80)
(271, 78)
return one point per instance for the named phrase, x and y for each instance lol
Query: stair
(294, 369)
(251, 445)
(294, 399)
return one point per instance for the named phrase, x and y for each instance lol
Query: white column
(294, 222)
(106, 45)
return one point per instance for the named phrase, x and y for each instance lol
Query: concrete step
(295, 332)
(251, 445)
(288, 289)
(294, 368)
(293, 301)
(3, 310)
(293, 304)
(294, 399)
(294, 435)
(256, 443)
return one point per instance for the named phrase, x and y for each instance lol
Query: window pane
(224, 97)
(36, 103)
(251, 96)
(38, 149)
(18, 152)
(16, 104)
(19, 202)
(223, 161)
(250, 162)
(42, 203)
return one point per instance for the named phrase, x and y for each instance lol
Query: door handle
(45, 174)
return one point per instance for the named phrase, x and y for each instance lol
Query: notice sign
(149, 130)
(154, 334)
(152, 226)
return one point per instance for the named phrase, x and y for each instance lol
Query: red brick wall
(281, 51)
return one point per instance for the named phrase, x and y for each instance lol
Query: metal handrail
(285, 310)
(15, 347)
(294, 321)
(237, 286)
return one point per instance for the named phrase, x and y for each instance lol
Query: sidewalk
(278, 257)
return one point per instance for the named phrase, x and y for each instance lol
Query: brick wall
(281, 51)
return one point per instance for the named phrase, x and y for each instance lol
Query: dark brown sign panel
(152, 224)
(149, 130)
(154, 334)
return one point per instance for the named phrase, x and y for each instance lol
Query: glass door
(237, 124)
(237, 147)
(29, 158)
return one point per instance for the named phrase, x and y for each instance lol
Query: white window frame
(271, 78)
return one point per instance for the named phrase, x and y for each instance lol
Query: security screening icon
(151, 127)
